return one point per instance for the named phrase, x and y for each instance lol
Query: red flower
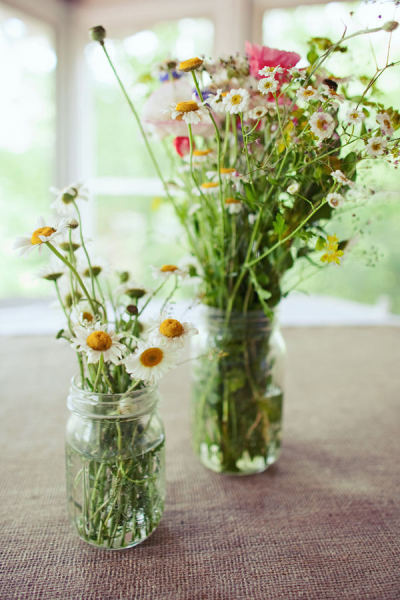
(182, 145)
(262, 56)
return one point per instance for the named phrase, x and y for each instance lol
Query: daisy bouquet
(268, 154)
(115, 440)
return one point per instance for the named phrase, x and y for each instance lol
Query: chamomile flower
(97, 340)
(355, 116)
(217, 101)
(293, 188)
(322, 125)
(98, 265)
(335, 200)
(208, 188)
(202, 156)
(82, 314)
(376, 146)
(385, 124)
(65, 198)
(53, 271)
(236, 101)
(42, 234)
(233, 205)
(341, 178)
(190, 112)
(268, 71)
(170, 331)
(268, 85)
(258, 112)
(132, 290)
(307, 94)
(167, 271)
(151, 360)
(192, 64)
(331, 94)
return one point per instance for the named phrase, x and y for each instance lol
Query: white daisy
(268, 85)
(267, 71)
(227, 173)
(166, 271)
(53, 270)
(190, 111)
(376, 146)
(258, 112)
(307, 94)
(217, 101)
(385, 123)
(208, 188)
(201, 156)
(43, 233)
(151, 361)
(335, 200)
(65, 198)
(236, 101)
(341, 178)
(354, 116)
(132, 290)
(293, 188)
(233, 205)
(82, 314)
(96, 340)
(170, 331)
(322, 125)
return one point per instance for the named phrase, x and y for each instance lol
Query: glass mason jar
(115, 466)
(238, 392)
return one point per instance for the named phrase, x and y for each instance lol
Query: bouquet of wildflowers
(269, 153)
(114, 470)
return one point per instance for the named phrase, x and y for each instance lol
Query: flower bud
(124, 276)
(98, 33)
(132, 309)
(390, 26)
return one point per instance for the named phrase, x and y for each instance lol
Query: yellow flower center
(209, 185)
(99, 340)
(232, 201)
(308, 92)
(188, 106)
(171, 328)
(191, 64)
(45, 231)
(376, 146)
(151, 357)
(168, 268)
(202, 152)
(386, 123)
(87, 316)
(225, 171)
(236, 99)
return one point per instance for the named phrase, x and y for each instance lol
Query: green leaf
(59, 334)
(262, 294)
(279, 224)
(312, 55)
(320, 244)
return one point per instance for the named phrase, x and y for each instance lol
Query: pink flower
(182, 145)
(262, 56)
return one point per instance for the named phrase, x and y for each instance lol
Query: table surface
(321, 523)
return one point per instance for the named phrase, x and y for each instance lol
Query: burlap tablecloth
(322, 523)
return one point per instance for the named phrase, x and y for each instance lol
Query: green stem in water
(99, 371)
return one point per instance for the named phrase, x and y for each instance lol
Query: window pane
(372, 270)
(27, 140)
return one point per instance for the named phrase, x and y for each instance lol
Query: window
(132, 221)
(27, 138)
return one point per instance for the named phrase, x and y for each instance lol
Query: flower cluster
(117, 352)
(270, 152)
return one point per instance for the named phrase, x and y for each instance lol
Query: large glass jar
(115, 465)
(238, 392)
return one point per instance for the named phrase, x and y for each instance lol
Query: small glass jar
(115, 466)
(238, 392)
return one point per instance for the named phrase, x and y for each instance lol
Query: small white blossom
(65, 198)
(354, 116)
(236, 101)
(341, 178)
(307, 94)
(267, 71)
(376, 146)
(385, 124)
(268, 85)
(293, 188)
(258, 112)
(322, 125)
(335, 200)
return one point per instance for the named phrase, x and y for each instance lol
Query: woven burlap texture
(322, 523)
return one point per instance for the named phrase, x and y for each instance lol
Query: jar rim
(108, 405)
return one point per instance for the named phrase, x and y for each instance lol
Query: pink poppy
(182, 145)
(262, 56)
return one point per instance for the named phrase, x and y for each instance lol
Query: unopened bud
(124, 276)
(390, 26)
(132, 309)
(98, 33)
